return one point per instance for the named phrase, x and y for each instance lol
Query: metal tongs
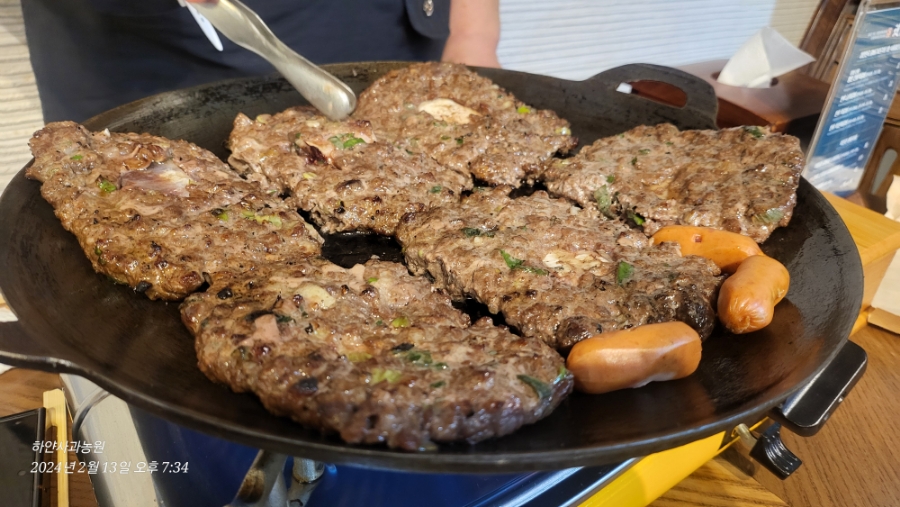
(245, 28)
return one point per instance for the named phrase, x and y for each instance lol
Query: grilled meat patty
(371, 353)
(741, 180)
(338, 172)
(161, 215)
(464, 121)
(555, 271)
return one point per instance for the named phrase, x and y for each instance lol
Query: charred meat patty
(371, 353)
(741, 179)
(161, 216)
(556, 271)
(339, 172)
(464, 121)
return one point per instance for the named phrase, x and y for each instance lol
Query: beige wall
(20, 109)
(791, 17)
(575, 39)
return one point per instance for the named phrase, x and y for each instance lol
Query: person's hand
(474, 33)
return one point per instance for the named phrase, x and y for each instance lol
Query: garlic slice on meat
(563, 261)
(447, 110)
(165, 178)
(316, 296)
(551, 260)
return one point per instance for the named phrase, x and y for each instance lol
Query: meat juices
(741, 180)
(555, 271)
(338, 171)
(372, 353)
(464, 121)
(161, 216)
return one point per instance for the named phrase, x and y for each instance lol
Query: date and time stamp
(94, 467)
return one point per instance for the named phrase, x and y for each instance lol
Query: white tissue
(765, 56)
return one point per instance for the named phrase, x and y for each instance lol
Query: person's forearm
(474, 33)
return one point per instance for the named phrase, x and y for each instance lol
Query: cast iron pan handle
(17, 348)
(701, 96)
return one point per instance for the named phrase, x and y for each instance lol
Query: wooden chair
(827, 36)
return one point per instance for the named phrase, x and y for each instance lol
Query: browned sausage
(633, 357)
(747, 299)
(726, 249)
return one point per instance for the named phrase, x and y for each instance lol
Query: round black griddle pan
(74, 320)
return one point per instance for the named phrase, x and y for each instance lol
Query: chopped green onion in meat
(381, 374)
(754, 131)
(623, 272)
(345, 141)
(106, 186)
(634, 217)
(511, 262)
(771, 216)
(400, 322)
(358, 357)
(540, 388)
(604, 201)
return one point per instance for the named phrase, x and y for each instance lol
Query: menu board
(858, 103)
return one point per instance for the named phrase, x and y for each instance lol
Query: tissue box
(792, 97)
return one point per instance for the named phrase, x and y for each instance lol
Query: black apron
(92, 55)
